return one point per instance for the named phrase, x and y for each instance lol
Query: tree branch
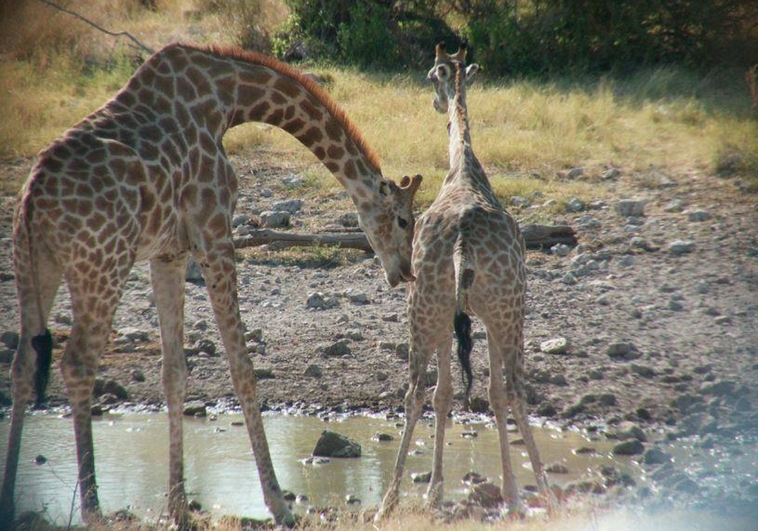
(126, 34)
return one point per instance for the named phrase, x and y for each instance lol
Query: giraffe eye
(402, 223)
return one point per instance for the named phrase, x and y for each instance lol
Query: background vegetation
(585, 87)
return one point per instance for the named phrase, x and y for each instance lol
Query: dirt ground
(658, 312)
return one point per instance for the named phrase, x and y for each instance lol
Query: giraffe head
(388, 225)
(448, 75)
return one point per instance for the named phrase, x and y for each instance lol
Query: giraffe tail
(42, 343)
(464, 278)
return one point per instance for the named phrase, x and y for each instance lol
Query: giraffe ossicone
(468, 258)
(146, 177)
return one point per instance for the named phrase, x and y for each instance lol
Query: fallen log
(535, 236)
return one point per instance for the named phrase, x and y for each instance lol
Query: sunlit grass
(524, 132)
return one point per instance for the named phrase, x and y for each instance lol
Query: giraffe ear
(411, 184)
(471, 70)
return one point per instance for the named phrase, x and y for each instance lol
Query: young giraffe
(468, 257)
(146, 178)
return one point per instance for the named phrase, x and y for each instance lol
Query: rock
(351, 499)
(332, 444)
(630, 447)
(316, 301)
(421, 477)
(357, 297)
(240, 219)
(643, 370)
(611, 173)
(382, 437)
(631, 207)
(629, 430)
(556, 468)
(195, 408)
(314, 371)
(275, 219)
(9, 338)
(681, 247)
(656, 456)
(264, 374)
(473, 478)
(573, 173)
(138, 376)
(255, 335)
(110, 387)
(291, 206)
(698, 215)
(687, 486)
(40, 460)
(336, 349)
(486, 495)
(402, 351)
(575, 205)
(623, 351)
(194, 271)
(560, 249)
(558, 345)
(205, 345)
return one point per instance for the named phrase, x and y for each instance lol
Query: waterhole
(132, 462)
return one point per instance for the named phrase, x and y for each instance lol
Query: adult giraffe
(146, 177)
(468, 257)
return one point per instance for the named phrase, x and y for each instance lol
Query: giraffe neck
(210, 90)
(462, 158)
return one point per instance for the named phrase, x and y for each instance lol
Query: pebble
(698, 215)
(558, 345)
(575, 205)
(291, 206)
(630, 447)
(274, 219)
(681, 247)
(336, 349)
(560, 249)
(631, 207)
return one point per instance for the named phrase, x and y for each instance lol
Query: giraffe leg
(443, 399)
(414, 400)
(220, 278)
(167, 278)
(499, 404)
(22, 370)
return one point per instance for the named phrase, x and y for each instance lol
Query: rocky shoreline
(646, 331)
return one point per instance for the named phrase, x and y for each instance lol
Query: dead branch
(126, 34)
(536, 237)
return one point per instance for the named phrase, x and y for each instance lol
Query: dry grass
(58, 70)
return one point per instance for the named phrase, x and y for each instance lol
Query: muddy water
(132, 457)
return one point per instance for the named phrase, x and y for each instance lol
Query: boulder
(332, 444)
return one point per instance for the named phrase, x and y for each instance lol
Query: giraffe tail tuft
(43, 346)
(464, 278)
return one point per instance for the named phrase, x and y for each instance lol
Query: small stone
(195, 409)
(205, 345)
(630, 447)
(486, 495)
(275, 219)
(402, 351)
(681, 247)
(557, 468)
(357, 297)
(631, 207)
(698, 215)
(575, 205)
(560, 249)
(40, 460)
(611, 173)
(316, 301)
(623, 351)
(382, 437)
(336, 349)
(9, 338)
(675, 205)
(558, 345)
(573, 173)
(421, 477)
(291, 206)
(314, 371)
(332, 444)
(656, 456)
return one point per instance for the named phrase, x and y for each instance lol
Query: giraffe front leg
(443, 399)
(499, 404)
(220, 277)
(167, 277)
(414, 400)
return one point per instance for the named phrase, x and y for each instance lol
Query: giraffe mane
(308, 83)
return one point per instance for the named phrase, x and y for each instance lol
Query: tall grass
(523, 131)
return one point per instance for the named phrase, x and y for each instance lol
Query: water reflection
(132, 457)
